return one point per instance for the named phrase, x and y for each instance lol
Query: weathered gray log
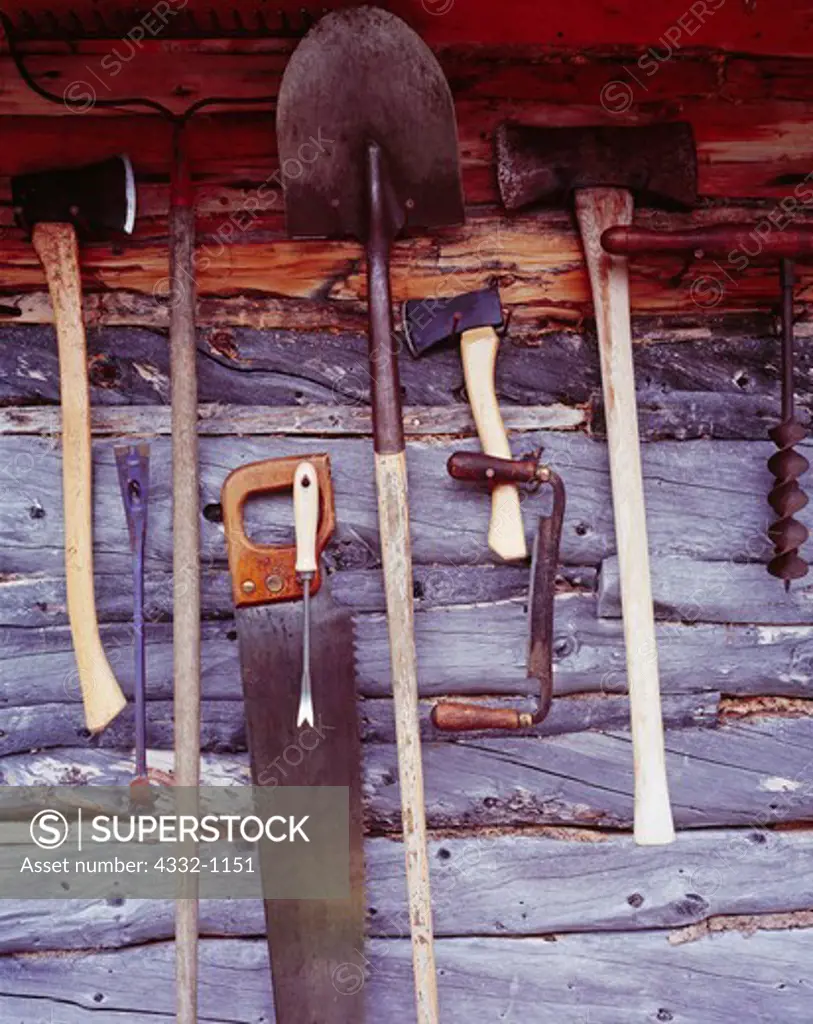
(576, 979)
(744, 774)
(40, 600)
(499, 885)
(688, 590)
(223, 722)
(217, 419)
(693, 374)
(478, 649)
(704, 499)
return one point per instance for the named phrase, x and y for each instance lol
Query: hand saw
(315, 945)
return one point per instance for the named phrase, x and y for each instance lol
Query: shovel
(364, 90)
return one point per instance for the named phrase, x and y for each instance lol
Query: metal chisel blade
(312, 943)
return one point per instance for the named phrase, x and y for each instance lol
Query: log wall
(544, 908)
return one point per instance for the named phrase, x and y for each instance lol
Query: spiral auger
(786, 497)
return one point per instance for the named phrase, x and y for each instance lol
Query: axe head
(427, 322)
(99, 199)
(544, 165)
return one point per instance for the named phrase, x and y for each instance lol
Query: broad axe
(99, 200)
(475, 318)
(602, 167)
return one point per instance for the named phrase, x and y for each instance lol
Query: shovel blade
(362, 76)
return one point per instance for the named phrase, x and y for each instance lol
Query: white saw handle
(56, 246)
(478, 350)
(306, 516)
(598, 209)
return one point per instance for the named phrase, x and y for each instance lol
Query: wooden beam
(318, 420)
(592, 25)
(745, 774)
(490, 885)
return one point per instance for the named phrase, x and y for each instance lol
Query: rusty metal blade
(316, 946)
(362, 76)
(657, 162)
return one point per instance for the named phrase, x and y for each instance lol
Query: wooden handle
(712, 240)
(596, 210)
(396, 556)
(478, 349)
(56, 247)
(262, 573)
(306, 517)
(454, 716)
(484, 469)
(186, 517)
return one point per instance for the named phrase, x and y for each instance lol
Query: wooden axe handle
(478, 350)
(596, 210)
(57, 249)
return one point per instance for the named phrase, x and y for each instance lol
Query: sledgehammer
(603, 166)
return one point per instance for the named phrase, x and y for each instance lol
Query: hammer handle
(478, 350)
(596, 210)
(57, 249)
(713, 240)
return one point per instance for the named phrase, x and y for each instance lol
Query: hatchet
(98, 200)
(475, 318)
(601, 167)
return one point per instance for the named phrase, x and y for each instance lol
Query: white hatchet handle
(598, 209)
(57, 249)
(478, 350)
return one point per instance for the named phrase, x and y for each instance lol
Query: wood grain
(565, 977)
(743, 774)
(496, 885)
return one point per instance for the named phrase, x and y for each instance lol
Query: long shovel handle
(57, 249)
(596, 210)
(185, 556)
(396, 556)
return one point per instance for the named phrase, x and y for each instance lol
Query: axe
(98, 200)
(475, 318)
(602, 167)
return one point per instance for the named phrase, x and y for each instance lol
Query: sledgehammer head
(544, 165)
(99, 199)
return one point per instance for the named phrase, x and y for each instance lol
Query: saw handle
(478, 351)
(306, 517)
(57, 249)
(712, 240)
(263, 573)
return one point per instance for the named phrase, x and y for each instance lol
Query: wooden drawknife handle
(56, 246)
(478, 350)
(597, 209)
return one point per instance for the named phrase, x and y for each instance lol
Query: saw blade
(316, 946)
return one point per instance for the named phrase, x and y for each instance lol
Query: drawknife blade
(316, 946)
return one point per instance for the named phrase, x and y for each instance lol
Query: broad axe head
(656, 162)
(99, 199)
(430, 321)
